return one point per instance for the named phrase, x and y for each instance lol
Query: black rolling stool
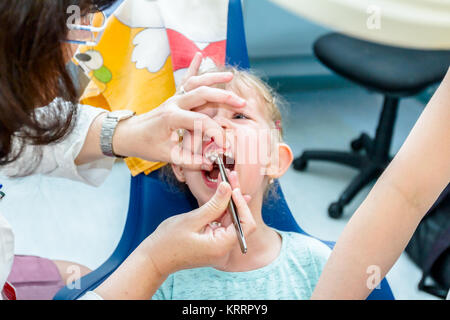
(391, 71)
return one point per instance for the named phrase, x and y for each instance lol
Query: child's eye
(240, 116)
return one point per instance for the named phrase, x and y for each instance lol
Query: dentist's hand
(181, 242)
(192, 80)
(154, 135)
(187, 241)
(225, 221)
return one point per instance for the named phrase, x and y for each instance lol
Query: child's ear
(178, 172)
(285, 158)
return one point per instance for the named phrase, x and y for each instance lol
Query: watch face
(122, 114)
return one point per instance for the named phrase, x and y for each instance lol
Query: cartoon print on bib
(91, 62)
(203, 30)
(170, 31)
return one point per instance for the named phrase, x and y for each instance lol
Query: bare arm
(136, 279)
(91, 149)
(381, 228)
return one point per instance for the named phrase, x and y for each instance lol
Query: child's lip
(211, 149)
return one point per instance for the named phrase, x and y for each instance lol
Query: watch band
(109, 128)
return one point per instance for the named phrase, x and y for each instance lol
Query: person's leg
(36, 278)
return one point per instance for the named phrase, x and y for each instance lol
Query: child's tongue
(214, 174)
(212, 148)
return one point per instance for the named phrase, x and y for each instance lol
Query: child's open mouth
(211, 178)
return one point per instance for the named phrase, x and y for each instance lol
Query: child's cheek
(253, 149)
(251, 171)
(250, 179)
(194, 181)
(253, 144)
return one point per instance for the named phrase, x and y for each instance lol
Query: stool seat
(390, 70)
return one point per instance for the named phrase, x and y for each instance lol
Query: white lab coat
(58, 160)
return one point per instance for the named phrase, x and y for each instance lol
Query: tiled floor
(65, 220)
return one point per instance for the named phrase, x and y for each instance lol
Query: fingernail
(223, 188)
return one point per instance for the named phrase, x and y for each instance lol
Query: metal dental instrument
(231, 206)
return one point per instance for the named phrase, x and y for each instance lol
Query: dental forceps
(231, 206)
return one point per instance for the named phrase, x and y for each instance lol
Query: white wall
(272, 31)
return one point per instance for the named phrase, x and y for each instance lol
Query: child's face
(249, 134)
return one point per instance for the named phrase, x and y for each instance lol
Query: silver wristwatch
(109, 128)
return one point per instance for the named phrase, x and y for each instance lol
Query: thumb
(215, 207)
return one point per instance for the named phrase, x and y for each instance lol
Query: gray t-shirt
(292, 276)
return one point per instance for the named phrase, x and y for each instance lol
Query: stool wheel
(336, 210)
(300, 164)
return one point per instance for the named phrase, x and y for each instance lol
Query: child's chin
(204, 197)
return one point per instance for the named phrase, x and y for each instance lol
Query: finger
(215, 225)
(203, 95)
(208, 80)
(193, 68)
(234, 179)
(194, 141)
(188, 160)
(215, 207)
(200, 125)
(194, 122)
(184, 158)
(245, 215)
(226, 220)
(209, 231)
(225, 238)
(192, 144)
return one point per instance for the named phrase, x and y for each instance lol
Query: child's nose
(222, 121)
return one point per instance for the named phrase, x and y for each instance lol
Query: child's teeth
(213, 157)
